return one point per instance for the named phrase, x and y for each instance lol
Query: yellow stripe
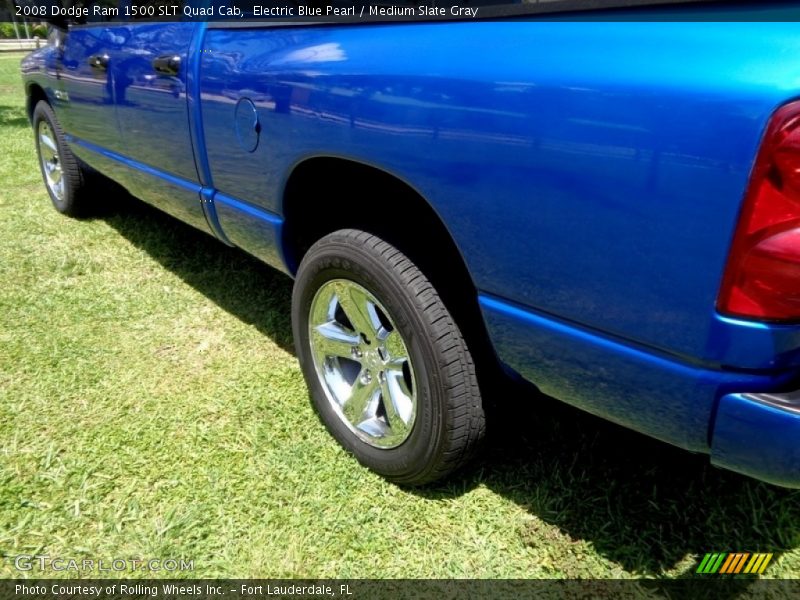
(761, 558)
(741, 562)
(752, 563)
(728, 560)
(765, 563)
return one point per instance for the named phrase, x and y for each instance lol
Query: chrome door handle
(169, 64)
(99, 61)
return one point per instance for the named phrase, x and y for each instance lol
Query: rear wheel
(67, 182)
(387, 367)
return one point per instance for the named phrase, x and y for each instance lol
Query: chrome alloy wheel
(51, 161)
(362, 363)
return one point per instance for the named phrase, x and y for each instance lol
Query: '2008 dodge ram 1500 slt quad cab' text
(610, 209)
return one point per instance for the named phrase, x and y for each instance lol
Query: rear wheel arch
(326, 194)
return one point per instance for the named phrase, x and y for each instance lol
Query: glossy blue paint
(640, 388)
(622, 171)
(590, 174)
(753, 345)
(129, 163)
(153, 112)
(40, 69)
(210, 210)
(196, 129)
(152, 107)
(89, 114)
(757, 439)
(162, 188)
(251, 228)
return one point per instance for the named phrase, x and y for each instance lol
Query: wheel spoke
(49, 158)
(396, 402)
(47, 155)
(323, 309)
(396, 368)
(331, 339)
(359, 310)
(48, 141)
(363, 401)
(350, 331)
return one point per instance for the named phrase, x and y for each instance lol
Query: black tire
(76, 199)
(449, 424)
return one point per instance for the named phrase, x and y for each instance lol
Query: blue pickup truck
(610, 209)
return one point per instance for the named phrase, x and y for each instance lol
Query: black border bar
(703, 586)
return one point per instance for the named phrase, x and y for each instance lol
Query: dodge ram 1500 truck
(610, 209)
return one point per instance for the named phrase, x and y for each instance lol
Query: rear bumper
(759, 435)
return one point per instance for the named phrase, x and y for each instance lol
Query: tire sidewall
(43, 112)
(346, 261)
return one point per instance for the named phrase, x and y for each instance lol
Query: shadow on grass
(13, 116)
(232, 279)
(640, 503)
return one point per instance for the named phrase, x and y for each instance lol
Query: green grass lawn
(151, 407)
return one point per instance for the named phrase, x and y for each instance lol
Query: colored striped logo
(731, 563)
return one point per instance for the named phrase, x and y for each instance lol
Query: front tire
(65, 179)
(389, 372)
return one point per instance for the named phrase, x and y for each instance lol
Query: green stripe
(719, 562)
(711, 562)
(703, 563)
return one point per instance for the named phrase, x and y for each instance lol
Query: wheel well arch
(34, 95)
(324, 194)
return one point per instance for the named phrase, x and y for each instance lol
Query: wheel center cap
(373, 359)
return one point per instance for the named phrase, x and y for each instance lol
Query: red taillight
(762, 278)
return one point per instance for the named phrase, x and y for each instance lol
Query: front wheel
(389, 372)
(66, 180)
